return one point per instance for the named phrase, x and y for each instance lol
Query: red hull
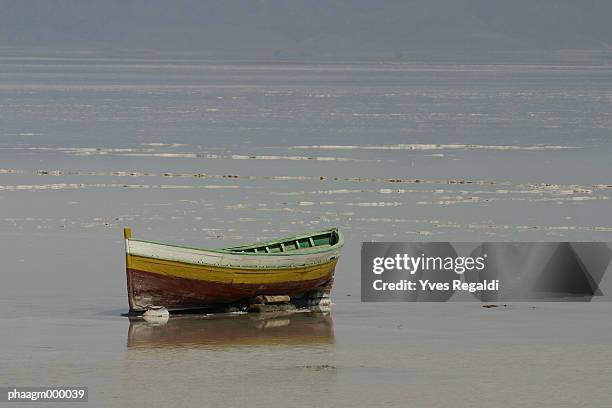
(176, 293)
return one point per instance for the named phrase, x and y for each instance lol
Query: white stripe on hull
(204, 257)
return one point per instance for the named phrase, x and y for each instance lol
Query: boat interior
(317, 240)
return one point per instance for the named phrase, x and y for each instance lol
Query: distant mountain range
(421, 30)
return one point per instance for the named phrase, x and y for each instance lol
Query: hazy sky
(311, 28)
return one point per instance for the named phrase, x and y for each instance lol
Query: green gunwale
(302, 251)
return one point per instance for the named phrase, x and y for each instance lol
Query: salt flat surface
(212, 155)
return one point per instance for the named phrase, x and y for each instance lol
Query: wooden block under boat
(269, 299)
(279, 307)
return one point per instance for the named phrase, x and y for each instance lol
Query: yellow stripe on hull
(222, 274)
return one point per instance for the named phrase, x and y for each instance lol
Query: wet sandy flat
(210, 155)
(421, 354)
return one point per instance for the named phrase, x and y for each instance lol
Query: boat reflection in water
(192, 331)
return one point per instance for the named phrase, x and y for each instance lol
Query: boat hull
(179, 277)
(180, 286)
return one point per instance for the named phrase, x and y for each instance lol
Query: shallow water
(213, 154)
(416, 354)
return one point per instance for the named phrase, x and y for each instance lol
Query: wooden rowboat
(179, 278)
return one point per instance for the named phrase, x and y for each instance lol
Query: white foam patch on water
(76, 186)
(419, 146)
(376, 204)
(455, 225)
(153, 151)
(172, 155)
(511, 188)
(158, 144)
(322, 192)
(270, 157)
